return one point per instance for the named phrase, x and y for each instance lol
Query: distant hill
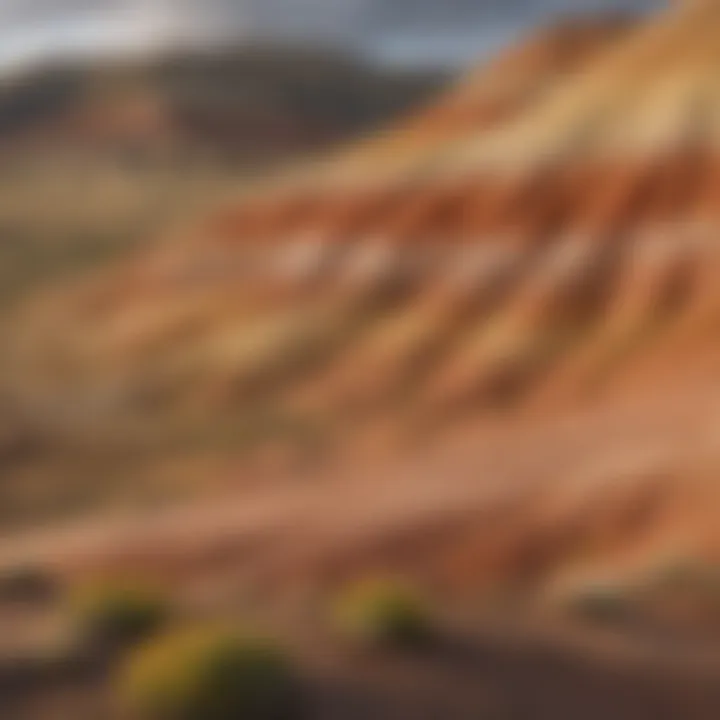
(96, 156)
(246, 104)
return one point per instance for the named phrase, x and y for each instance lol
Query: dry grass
(61, 217)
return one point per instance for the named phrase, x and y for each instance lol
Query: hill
(250, 103)
(530, 297)
(477, 352)
(96, 157)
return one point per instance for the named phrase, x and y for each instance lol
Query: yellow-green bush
(383, 613)
(601, 603)
(210, 674)
(112, 614)
(27, 583)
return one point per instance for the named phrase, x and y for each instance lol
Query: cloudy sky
(403, 30)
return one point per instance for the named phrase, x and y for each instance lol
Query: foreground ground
(525, 513)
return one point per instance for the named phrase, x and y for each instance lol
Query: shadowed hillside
(245, 104)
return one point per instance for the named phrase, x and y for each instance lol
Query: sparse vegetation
(383, 614)
(27, 583)
(209, 674)
(686, 575)
(672, 594)
(600, 603)
(108, 615)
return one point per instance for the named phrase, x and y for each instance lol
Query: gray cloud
(402, 28)
(24, 12)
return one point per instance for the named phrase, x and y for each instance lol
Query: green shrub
(116, 614)
(601, 603)
(27, 583)
(383, 614)
(209, 675)
(685, 574)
